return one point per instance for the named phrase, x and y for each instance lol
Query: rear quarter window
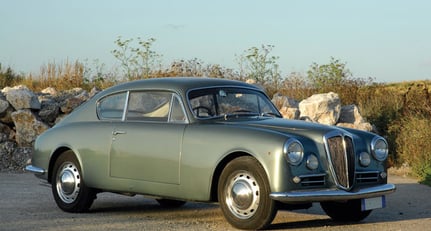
(112, 107)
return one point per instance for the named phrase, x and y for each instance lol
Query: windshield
(229, 101)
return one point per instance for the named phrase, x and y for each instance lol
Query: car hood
(290, 127)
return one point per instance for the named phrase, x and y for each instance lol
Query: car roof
(180, 84)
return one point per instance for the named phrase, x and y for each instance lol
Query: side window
(177, 112)
(264, 107)
(203, 106)
(149, 106)
(112, 107)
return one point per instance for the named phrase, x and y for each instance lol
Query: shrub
(413, 146)
(8, 77)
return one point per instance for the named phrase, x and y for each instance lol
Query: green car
(209, 140)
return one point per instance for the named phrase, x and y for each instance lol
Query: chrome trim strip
(332, 194)
(313, 179)
(35, 170)
(126, 105)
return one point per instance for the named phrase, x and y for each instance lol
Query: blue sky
(387, 40)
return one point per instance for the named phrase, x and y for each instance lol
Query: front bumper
(332, 194)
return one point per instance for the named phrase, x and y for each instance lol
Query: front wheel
(345, 211)
(243, 194)
(68, 187)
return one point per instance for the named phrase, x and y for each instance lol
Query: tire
(243, 193)
(168, 203)
(68, 187)
(349, 211)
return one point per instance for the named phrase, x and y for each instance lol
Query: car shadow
(114, 203)
(409, 202)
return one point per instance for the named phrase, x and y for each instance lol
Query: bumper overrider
(39, 172)
(333, 194)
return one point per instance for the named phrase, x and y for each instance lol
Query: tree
(328, 75)
(147, 57)
(260, 65)
(8, 77)
(136, 62)
(126, 56)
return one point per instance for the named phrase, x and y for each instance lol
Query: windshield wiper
(270, 114)
(238, 114)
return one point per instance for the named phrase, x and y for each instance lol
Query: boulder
(49, 111)
(321, 108)
(350, 114)
(6, 133)
(27, 126)
(94, 91)
(351, 118)
(70, 104)
(49, 91)
(288, 107)
(5, 110)
(20, 97)
(361, 126)
(73, 99)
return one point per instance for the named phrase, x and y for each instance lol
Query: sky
(389, 40)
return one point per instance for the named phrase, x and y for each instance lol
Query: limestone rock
(5, 110)
(351, 118)
(28, 127)
(287, 107)
(20, 97)
(321, 108)
(49, 91)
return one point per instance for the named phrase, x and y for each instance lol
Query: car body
(209, 140)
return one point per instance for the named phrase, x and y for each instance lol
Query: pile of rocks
(322, 108)
(25, 114)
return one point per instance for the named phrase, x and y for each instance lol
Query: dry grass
(392, 108)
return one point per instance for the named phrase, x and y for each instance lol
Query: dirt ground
(27, 205)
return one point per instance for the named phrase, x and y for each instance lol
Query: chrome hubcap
(68, 182)
(242, 196)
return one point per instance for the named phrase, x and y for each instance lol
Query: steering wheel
(198, 109)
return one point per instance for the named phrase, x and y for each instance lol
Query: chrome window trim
(175, 95)
(126, 104)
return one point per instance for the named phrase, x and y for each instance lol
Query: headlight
(379, 147)
(293, 151)
(364, 159)
(312, 162)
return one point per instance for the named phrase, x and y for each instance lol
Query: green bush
(8, 77)
(413, 145)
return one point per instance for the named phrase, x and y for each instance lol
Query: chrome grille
(341, 156)
(313, 180)
(367, 177)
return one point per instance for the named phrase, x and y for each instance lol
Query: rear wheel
(68, 187)
(243, 194)
(345, 211)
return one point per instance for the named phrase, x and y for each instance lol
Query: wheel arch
(54, 158)
(218, 170)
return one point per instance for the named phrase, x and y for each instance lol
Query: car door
(146, 146)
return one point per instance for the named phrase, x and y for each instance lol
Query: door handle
(117, 132)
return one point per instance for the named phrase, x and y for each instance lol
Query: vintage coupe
(209, 140)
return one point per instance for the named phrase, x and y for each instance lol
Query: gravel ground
(27, 205)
